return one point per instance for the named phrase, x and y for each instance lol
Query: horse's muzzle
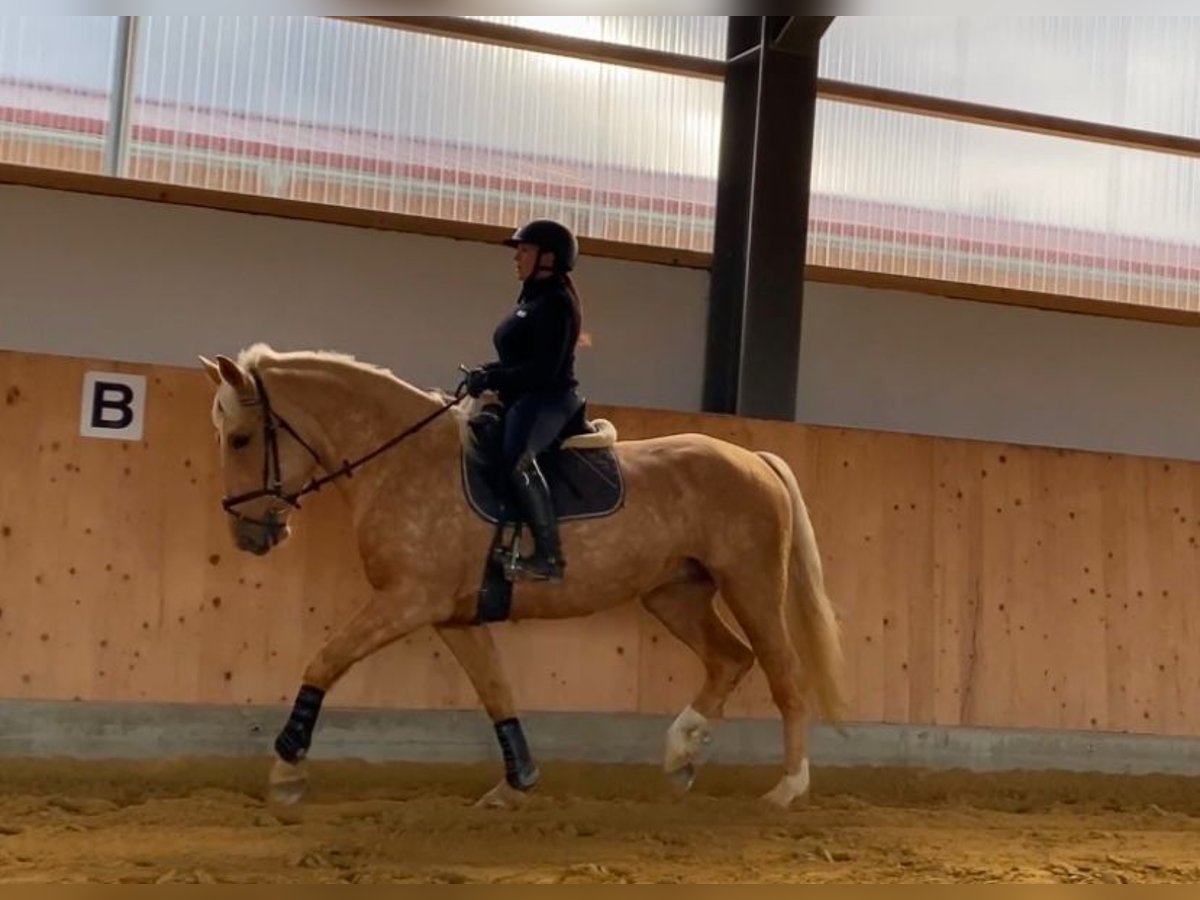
(259, 536)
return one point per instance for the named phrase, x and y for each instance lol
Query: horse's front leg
(475, 651)
(386, 617)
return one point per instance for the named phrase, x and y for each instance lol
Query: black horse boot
(547, 563)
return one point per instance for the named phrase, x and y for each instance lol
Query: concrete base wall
(134, 731)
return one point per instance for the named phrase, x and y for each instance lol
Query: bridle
(273, 474)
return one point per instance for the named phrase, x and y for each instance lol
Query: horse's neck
(348, 413)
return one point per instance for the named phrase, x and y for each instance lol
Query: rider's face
(526, 260)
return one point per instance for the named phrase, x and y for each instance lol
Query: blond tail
(815, 630)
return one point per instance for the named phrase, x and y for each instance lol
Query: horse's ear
(232, 374)
(212, 369)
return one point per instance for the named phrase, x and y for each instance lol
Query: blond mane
(261, 356)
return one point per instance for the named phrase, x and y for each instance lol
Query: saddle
(581, 470)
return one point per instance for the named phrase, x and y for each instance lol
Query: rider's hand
(477, 381)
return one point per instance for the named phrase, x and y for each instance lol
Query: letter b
(113, 406)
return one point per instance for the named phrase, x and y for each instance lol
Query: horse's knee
(320, 672)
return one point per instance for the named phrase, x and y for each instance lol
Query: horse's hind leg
(689, 612)
(755, 597)
(475, 651)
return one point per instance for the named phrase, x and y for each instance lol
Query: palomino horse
(700, 516)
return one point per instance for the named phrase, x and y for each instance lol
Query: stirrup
(535, 568)
(507, 558)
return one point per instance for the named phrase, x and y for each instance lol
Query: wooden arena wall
(980, 584)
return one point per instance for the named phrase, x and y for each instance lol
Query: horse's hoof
(689, 740)
(288, 783)
(788, 789)
(502, 796)
(683, 778)
(779, 797)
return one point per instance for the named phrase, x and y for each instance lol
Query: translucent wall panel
(702, 36)
(314, 109)
(335, 112)
(914, 196)
(1135, 71)
(54, 90)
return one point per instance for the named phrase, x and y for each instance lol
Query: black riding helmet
(549, 237)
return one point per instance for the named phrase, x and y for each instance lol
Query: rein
(273, 476)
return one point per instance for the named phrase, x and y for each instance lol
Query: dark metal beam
(757, 284)
(770, 364)
(727, 279)
(800, 34)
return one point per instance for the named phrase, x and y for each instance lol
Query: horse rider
(534, 378)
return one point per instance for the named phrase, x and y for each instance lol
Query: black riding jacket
(536, 343)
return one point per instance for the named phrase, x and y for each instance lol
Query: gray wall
(149, 282)
(930, 365)
(146, 282)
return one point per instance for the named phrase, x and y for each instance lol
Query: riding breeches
(534, 422)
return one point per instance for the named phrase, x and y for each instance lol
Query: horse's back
(684, 445)
(700, 464)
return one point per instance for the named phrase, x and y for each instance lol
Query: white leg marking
(789, 788)
(687, 734)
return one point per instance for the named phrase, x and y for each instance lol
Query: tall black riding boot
(546, 564)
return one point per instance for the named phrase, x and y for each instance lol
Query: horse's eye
(239, 441)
